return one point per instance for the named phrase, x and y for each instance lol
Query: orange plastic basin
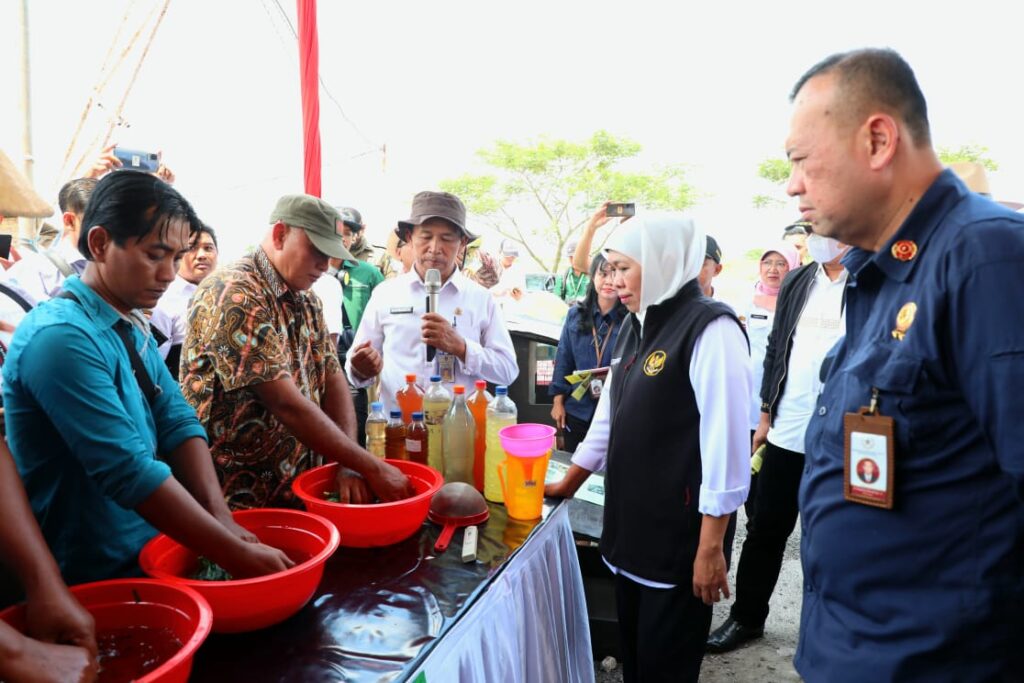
(131, 603)
(251, 604)
(377, 524)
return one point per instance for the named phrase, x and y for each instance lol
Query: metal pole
(26, 226)
(26, 103)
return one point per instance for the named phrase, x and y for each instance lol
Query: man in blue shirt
(95, 446)
(932, 588)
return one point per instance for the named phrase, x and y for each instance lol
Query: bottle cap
(377, 405)
(481, 384)
(501, 391)
(435, 378)
(396, 414)
(459, 389)
(410, 378)
(418, 415)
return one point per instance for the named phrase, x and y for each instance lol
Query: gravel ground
(768, 659)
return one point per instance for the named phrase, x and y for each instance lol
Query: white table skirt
(529, 626)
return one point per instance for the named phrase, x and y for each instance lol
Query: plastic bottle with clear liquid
(416, 439)
(435, 406)
(478, 403)
(459, 433)
(409, 398)
(500, 414)
(394, 437)
(376, 424)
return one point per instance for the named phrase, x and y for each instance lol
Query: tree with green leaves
(972, 153)
(776, 171)
(543, 191)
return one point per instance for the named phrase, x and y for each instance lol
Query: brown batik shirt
(245, 327)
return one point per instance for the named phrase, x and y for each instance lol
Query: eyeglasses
(772, 263)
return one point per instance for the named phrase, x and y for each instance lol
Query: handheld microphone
(432, 283)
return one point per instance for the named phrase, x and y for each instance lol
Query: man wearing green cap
(259, 368)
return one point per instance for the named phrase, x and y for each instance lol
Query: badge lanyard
(572, 289)
(599, 350)
(868, 462)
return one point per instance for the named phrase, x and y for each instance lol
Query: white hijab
(670, 249)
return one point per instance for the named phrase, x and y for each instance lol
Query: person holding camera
(589, 334)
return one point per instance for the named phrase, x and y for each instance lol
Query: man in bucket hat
(466, 330)
(261, 372)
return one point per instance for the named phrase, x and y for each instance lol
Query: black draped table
(399, 613)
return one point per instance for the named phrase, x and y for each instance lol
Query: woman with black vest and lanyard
(671, 429)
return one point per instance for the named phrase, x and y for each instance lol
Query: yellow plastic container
(522, 483)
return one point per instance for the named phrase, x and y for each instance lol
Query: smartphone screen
(621, 209)
(5, 245)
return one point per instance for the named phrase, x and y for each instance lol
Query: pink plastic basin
(527, 440)
(250, 604)
(377, 524)
(130, 603)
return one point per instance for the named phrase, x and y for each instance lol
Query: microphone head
(432, 280)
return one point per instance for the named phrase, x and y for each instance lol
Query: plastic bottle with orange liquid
(409, 398)
(478, 403)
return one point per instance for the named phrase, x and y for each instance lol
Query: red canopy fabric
(309, 67)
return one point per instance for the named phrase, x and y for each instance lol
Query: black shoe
(730, 636)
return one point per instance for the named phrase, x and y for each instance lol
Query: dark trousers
(575, 430)
(663, 631)
(774, 518)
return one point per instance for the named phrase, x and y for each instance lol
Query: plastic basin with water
(375, 524)
(249, 604)
(129, 605)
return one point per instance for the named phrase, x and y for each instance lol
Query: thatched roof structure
(17, 198)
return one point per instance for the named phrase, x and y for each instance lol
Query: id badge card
(868, 472)
(596, 386)
(446, 367)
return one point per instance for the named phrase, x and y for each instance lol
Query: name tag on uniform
(401, 310)
(868, 472)
(446, 366)
(758, 316)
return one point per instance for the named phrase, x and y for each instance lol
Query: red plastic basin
(250, 604)
(378, 524)
(124, 603)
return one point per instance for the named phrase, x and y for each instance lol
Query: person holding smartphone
(588, 337)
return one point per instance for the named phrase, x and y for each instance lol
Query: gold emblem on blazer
(904, 319)
(655, 363)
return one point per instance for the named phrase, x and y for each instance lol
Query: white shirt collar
(457, 280)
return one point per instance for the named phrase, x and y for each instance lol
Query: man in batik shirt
(262, 374)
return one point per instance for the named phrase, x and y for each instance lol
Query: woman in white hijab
(671, 426)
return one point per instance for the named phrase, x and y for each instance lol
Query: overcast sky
(703, 84)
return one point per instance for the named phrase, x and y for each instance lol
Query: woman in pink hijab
(776, 262)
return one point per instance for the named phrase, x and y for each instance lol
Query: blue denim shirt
(931, 590)
(84, 437)
(576, 352)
